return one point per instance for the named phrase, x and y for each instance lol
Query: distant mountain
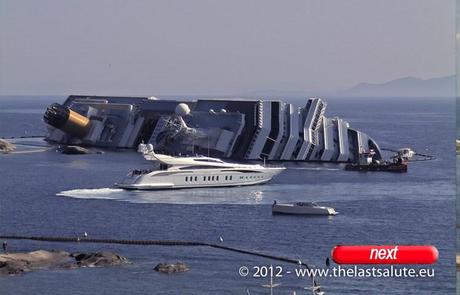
(403, 87)
(273, 93)
(406, 87)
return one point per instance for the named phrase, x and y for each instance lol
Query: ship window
(204, 178)
(226, 177)
(186, 178)
(230, 177)
(217, 177)
(209, 178)
(209, 160)
(199, 167)
(213, 178)
(196, 178)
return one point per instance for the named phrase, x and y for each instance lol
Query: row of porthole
(210, 178)
(250, 177)
(191, 178)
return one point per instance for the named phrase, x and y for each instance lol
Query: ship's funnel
(67, 120)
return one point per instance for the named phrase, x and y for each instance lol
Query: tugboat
(366, 163)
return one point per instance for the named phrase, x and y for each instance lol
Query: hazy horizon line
(249, 93)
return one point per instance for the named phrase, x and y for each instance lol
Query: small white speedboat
(302, 208)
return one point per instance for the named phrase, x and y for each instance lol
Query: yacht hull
(194, 179)
(172, 186)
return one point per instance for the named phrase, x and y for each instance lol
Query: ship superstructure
(239, 129)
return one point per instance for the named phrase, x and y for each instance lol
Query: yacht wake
(97, 193)
(185, 196)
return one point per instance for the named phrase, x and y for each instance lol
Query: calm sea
(47, 193)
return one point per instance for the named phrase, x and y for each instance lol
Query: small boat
(302, 208)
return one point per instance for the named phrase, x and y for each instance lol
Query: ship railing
(273, 166)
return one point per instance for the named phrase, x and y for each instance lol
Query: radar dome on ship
(182, 109)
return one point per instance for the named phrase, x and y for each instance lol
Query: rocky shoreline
(18, 263)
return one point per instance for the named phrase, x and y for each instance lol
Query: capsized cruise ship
(238, 129)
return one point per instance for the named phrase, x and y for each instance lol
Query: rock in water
(99, 259)
(171, 267)
(6, 146)
(13, 267)
(16, 263)
(73, 150)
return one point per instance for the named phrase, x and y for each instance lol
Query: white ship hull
(194, 172)
(302, 210)
(198, 179)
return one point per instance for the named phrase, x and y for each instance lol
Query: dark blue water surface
(47, 193)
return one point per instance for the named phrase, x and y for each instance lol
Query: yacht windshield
(163, 166)
(199, 167)
(306, 204)
(209, 160)
(140, 171)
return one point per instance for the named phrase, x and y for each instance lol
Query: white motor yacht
(192, 172)
(302, 208)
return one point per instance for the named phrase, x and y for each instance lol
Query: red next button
(367, 254)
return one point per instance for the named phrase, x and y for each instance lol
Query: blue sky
(219, 47)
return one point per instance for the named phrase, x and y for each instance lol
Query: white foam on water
(96, 193)
(237, 195)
